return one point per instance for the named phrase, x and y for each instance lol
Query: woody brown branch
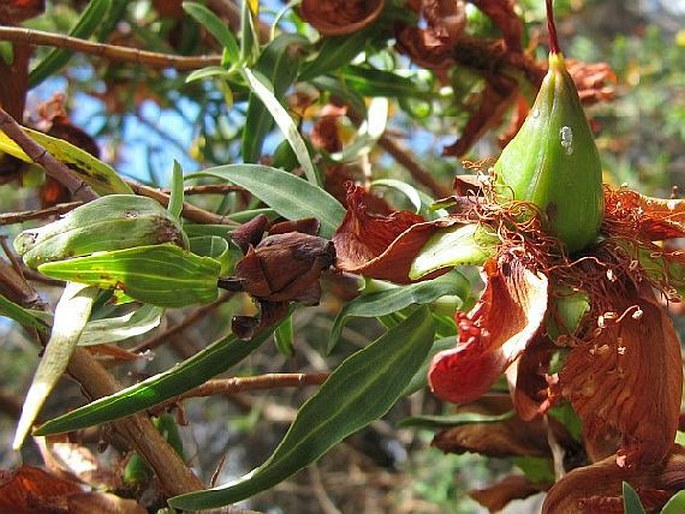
(19, 217)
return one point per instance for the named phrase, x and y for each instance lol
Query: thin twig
(235, 385)
(190, 211)
(193, 317)
(207, 189)
(110, 52)
(19, 217)
(55, 169)
(223, 386)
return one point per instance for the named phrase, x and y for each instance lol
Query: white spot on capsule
(566, 135)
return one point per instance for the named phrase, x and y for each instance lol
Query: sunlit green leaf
(676, 505)
(98, 175)
(26, 317)
(454, 420)
(71, 314)
(216, 27)
(290, 196)
(119, 328)
(392, 300)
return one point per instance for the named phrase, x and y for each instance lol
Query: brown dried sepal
(340, 17)
(513, 487)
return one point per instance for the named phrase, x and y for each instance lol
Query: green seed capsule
(112, 222)
(553, 162)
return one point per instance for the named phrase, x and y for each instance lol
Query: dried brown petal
(379, 246)
(513, 487)
(513, 437)
(494, 334)
(250, 233)
(595, 82)
(304, 226)
(629, 379)
(424, 48)
(653, 219)
(339, 17)
(446, 19)
(596, 489)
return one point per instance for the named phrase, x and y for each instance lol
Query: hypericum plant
(571, 317)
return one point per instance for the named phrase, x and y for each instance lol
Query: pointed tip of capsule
(552, 29)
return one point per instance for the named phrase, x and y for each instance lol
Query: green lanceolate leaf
(214, 359)
(420, 378)
(90, 20)
(264, 91)
(98, 175)
(454, 420)
(392, 300)
(553, 161)
(112, 222)
(163, 275)
(175, 207)
(459, 245)
(112, 330)
(288, 195)
(71, 314)
(359, 391)
(216, 27)
(284, 337)
(334, 52)
(278, 63)
(631, 501)
(25, 317)
(374, 82)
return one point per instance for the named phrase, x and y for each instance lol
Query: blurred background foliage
(143, 119)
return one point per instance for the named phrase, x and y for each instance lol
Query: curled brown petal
(339, 17)
(513, 437)
(380, 246)
(629, 379)
(494, 334)
(596, 489)
(512, 487)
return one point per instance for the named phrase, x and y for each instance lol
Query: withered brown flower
(280, 268)
(339, 17)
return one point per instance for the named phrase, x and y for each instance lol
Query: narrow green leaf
(98, 175)
(454, 246)
(278, 63)
(631, 501)
(112, 330)
(26, 317)
(264, 90)
(359, 391)
(163, 275)
(176, 200)
(290, 196)
(455, 420)
(337, 87)
(538, 470)
(216, 28)
(392, 300)
(249, 40)
(334, 52)
(676, 505)
(214, 359)
(374, 82)
(71, 314)
(90, 19)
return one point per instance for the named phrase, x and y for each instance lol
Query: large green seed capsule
(112, 222)
(553, 162)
